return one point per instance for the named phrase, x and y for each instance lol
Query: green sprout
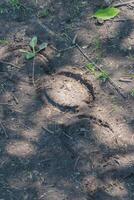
(91, 68)
(15, 3)
(34, 48)
(132, 93)
(103, 76)
(3, 42)
(43, 13)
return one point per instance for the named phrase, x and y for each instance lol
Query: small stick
(45, 27)
(125, 80)
(4, 129)
(8, 63)
(66, 49)
(33, 73)
(46, 129)
(6, 104)
(14, 97)
(67, 136)
(42, 58)
(76, 162)
(123, 3)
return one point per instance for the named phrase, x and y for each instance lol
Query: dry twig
(4, 129)
(8, 63)
(33, 73)
(123, 3)
(48, 130)
(14, 97)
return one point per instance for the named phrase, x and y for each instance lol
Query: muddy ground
(65, 135)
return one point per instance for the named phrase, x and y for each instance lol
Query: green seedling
(97, 48)
(34, 48)
(130, 57)
(43, 13)
(91, 68)
(2, 9)
(131, 76)
(132, 93)
(103, 76)
(97, 43)
(15, 3)
(3, 42)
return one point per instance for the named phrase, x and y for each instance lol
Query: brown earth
(55, 141)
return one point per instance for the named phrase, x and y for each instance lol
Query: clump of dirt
(66, 90)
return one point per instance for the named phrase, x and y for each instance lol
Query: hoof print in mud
(65, 90)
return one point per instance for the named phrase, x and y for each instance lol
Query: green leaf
(107, 13)
(132, 93)
(4, 42)
(103, 76)
(43, 13)
(91, 67)
(43, 46)
(30, 55)
(33, 42)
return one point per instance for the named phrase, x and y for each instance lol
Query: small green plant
(103, 76)
(131, 57)
(2, 9)
(131, 76)
(3, 42)
(97, 43)
(43, 13)
(35, 49)
(132, 93)
(91, 68)
(97, 48)
(15, 3)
